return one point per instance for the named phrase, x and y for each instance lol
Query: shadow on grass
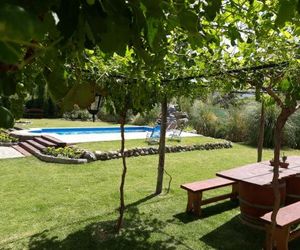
(207, 211)
(138, 202)
(234, 235)
(137, 234)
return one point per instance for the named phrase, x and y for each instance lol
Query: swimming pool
(91, 134)
(96, 130)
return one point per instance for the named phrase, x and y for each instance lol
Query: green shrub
(67, 152)
(235, 128)
(291, 130)
(5, 137)
(108, 115)
(295, 127)
(240, 122)
(207, 119)
(229, 123)
(77, 114)
(148, 118)
(185, 104)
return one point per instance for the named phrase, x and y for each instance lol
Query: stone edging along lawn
(135, 152)
(63, 160)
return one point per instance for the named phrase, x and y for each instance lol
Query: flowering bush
(67, 152)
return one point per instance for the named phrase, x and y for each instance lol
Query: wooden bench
(195, 190)
(287, 217)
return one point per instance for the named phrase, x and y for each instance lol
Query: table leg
(235, 192)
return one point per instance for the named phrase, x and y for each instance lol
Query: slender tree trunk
(281, 120)
(260, 142)
(162, 145)
(122, 202)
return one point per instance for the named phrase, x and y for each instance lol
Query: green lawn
(104, 146)
(115, 145)
(43, 123)
(52, 206)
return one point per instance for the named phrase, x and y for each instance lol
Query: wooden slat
(44, 142)
(29, 148)
(36, 144)
(21, 150)
(207, 184)
(217, 198)
(286, 215)
(54, 140)
(261, 173)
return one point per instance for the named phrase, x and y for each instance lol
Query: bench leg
(235, 192)
(281, 238)
(194, 202)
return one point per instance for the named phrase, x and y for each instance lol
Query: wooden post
(260, 142)
(122, 201)
(162, 144)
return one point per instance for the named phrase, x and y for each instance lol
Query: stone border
(135, 152)
(63, 160)
(143, 151)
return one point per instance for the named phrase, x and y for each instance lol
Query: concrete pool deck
(109, 137)
(9, 152)
(78, 138)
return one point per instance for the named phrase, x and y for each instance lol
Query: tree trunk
(162, 145)
(122, 202)
(281, 120)
(260, 142)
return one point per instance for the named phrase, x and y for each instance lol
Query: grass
(104, 146)
(44, 123)
(52, 206)
(115, 145)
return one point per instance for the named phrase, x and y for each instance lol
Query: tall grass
(240, 122)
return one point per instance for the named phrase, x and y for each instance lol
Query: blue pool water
(96, 130)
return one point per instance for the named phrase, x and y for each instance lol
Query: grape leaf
(81, 94)
(11, 16)
(10, 53)
(286, 12)
(212, 9)
(188, 20)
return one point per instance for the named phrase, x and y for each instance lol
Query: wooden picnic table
(255, 189)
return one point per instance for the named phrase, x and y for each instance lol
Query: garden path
(9, 152)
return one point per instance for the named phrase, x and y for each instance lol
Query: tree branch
(270, 91)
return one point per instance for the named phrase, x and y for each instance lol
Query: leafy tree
(124, 86)
(62, 29)
(275, 47)
(289, 85)
(58, 28)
